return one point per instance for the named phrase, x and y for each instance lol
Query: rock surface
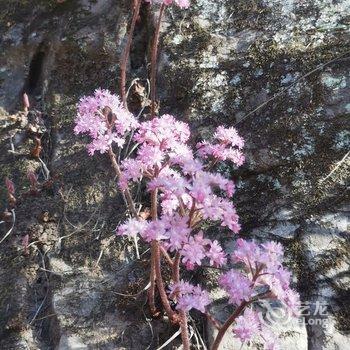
(278, 70)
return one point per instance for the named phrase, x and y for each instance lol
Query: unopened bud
(25, 244)
(26, 103)
(10, 186)
(33, 179)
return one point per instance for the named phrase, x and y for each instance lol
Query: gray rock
(71, 342)
(277, 70)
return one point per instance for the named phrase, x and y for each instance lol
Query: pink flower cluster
(227, 146)
(180, 3)
(189, 296)
(262, 272)
(103, 117)
(187, 191)
(174, 234)
(249, 326)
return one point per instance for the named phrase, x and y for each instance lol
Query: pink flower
(189, 166)
(156, 230)
(170, 182)
(237, 286)
(197, 300)
(236, 156)
(270, 339)
(216, 255)
(165, 132)
(199, 238)
(193, 252)
(180, 288)
(169, 203)
(132, 227)
(200, 190)
(102, 142)
(230, 188)
(225, 146)
(230, 219)
(181, 3)
(247, 325)
(178, 232)
(189, 297)
(206, 149)
(103, 117)
(292, 301)
(229, 136)
(283, 276)
(212, 208)
(150, 156)
(246, 252)
(273, 248)
(131, 170)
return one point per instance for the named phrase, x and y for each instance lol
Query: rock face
(277, 70)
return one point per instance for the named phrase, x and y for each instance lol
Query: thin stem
(126, 52)
(154, 55)
(160, 284)
(227, 324)
(183, 317)
(166, 256)
(192, 211)
(213, 320)
(126, 192)
(176, 268)
(155, 256)
(154, 201)
(184, 331)
(151, 291)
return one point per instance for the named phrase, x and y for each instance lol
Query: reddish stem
(183, 317)
(155, 256)
(232, 318)
(160, 284)
(184, 331)
(192, 211)
(227, 324)
(166, 256)
(213, 320)
(154, 55)
(154, 202)
(176, 268)
(126, 52)
(151, 291)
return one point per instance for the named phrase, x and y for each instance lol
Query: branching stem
(227, 324)
(160, 284)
